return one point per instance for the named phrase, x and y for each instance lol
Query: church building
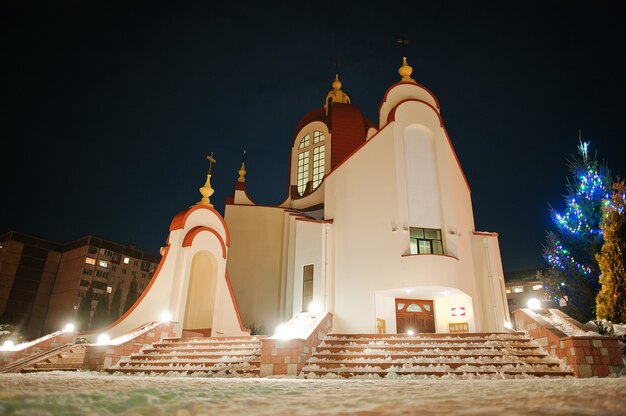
(377, 227)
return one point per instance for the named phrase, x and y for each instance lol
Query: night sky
(110, 108)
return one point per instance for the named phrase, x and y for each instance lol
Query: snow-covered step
(451, 354)
(492, 355)
(223, 357)
(424, 348)
(195, 355)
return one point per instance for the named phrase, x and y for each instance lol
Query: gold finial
(336, 83)
(405, 71)
(207, 190)
(336, 95)
(242, 169)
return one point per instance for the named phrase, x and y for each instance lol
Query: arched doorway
(201, 293)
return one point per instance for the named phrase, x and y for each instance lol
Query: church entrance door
(415, 315)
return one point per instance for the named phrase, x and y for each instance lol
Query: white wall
(422, 178)
(255, 262)
(367, 199)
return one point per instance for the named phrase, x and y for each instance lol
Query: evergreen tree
(573, 273)
(611, 301)
(101, 314)
(83, 315)
(131, 297)
(116, 303)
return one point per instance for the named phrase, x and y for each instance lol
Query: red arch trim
(180, 219)
(191, 234)
(384, 100)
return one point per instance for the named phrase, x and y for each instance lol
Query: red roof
(349, 131)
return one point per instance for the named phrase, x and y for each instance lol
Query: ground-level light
(69, 327)
(283, 332)
(103, 339)
(314, 307)
(534, 303)
(166, 317)
(8, 344)
(508, 325)
(410, 332)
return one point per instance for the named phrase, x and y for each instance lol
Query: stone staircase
(196, 356)
(70, 358)
(471, 355)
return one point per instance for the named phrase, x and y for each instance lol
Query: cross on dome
(405, 70)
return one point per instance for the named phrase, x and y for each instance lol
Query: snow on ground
(88, 393)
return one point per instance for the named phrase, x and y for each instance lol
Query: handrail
(17, 366)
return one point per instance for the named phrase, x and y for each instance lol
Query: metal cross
(211, 160)
(402, 41)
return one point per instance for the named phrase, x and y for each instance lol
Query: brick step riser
(214, 339)
(251, 372)
(173, 347)
(178, 363)
(385, 366)
(496, 374)
(208, 356)
(409, 356)
(419, 343)
(418, 349)
(205, 344)
(434, 335)
(427, 341)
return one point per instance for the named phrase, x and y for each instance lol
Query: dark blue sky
(109, 108)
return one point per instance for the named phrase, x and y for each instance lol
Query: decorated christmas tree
(572, 278)
(611, 301)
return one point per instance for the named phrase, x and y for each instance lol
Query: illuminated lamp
(103, 339)
(166, 317)
(534, 303)
(314, 308)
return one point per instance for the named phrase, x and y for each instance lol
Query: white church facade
(377, 227)
(377, 230)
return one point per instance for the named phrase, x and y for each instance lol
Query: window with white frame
(311, 161)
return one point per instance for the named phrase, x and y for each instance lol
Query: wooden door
(416, 315)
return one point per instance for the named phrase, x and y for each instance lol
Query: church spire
(336, 95)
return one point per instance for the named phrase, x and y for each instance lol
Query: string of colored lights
(583, 212)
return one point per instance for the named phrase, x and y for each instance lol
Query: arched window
(307, 151)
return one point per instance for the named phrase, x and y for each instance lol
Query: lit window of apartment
(126, 260)
(103, 263)
(518, 289)
(508, 289)
(89, 260)
(109, 289)
(537, 287)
